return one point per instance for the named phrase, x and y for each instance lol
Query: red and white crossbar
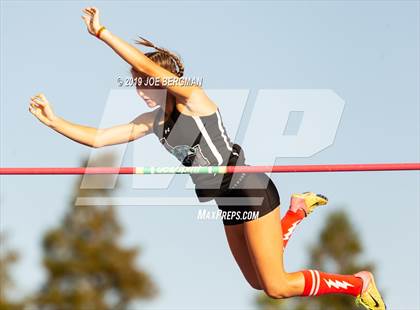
(209, 170)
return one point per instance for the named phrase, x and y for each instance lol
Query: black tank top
(199, 141)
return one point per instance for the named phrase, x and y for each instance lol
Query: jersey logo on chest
(187, 155)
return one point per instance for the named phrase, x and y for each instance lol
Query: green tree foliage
(7, 259)
(86, 266)
(338, 250)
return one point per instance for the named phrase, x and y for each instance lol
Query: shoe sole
(322, 196)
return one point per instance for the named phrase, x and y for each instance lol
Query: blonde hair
(163, 57)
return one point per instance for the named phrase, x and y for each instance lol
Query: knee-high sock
(320, 283)
(289, 222)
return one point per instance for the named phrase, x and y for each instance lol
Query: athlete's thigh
(265, 246)
(238, 246)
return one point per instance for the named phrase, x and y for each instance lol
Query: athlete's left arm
(133, 56)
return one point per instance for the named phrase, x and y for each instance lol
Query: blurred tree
(86, 267)
(338, 251)
(7, 258)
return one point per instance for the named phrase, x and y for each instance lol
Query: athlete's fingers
(44, 99)
(33, 105)
(87, 12)
(38, 101)
(87, 20)
(37, 98)
(42, 96)
(35, 112)
(37, 107)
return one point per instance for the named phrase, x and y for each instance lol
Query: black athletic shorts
(249, 196)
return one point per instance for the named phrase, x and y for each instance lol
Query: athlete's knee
(255, 285)
(278, 290)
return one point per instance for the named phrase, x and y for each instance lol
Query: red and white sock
(319, 283)
(289, 222)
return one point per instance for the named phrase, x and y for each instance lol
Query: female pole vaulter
(189, 125)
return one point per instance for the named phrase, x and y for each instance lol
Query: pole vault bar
(210, 169)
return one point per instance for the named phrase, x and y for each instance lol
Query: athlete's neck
(172, 104)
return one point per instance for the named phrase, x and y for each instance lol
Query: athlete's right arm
(93, 137)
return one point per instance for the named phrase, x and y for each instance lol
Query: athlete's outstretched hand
(41, 108)
(91, 18)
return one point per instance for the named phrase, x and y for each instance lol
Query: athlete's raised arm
(133, 56)
(93, 137)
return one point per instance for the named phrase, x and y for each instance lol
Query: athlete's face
(152, 96)
(146, 88)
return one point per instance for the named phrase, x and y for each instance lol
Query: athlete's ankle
(301, 213)
(297, 204)
(365, 276)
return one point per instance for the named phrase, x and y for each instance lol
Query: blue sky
(366, 52)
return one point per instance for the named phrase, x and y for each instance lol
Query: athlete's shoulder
(200, 103)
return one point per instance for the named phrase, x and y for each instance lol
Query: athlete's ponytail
(163, 57)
